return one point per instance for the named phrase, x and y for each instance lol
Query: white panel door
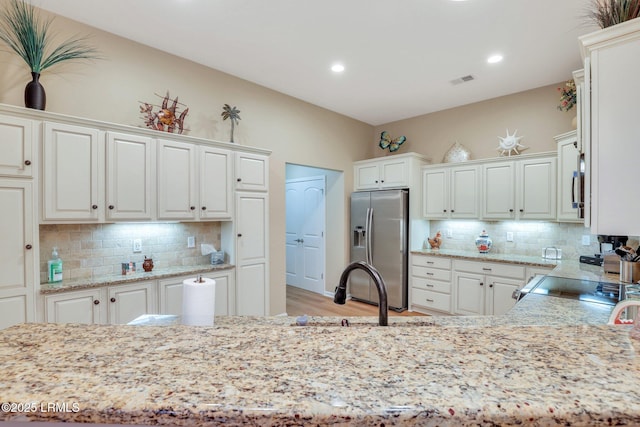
(126, 302)
(567, 178)
(216, 195)
(251, 290)
(73, 168)
(435, 196)
(16, 156)
(294, 255)
(75, 307)
(468, 293)
(130, 177)
(498, 181)
(465, 190)
(252, 172)
(177, 192)
(367, 176)
(394, 173)
(499, 297)
(537, 198)
(17, 252)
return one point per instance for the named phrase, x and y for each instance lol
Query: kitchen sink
(352, 324)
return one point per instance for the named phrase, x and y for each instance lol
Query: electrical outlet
(586, 240)
(191, 242)
(449, 233)
(137, 245)
(509, 236)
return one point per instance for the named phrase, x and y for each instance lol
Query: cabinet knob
(96, 301)
(239, 234)
(27, 162)
(452, 210)
(444, 210)
(193, 208)
(521, 210)
(28, 246)
(204, 208)
(376, 181)
(112, 299)
(481, 284)
(491, 285)
(239, 179)
(111, 207)
(94, 207)
(510, 210)
(382, 180)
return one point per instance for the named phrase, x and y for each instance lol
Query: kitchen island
(268, 371)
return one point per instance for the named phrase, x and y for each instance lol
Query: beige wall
(477, 126)
(109, 90)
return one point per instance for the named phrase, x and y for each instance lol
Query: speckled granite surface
(118, 279)
(490, 257)
(247, 371)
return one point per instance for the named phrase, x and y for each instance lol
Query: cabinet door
(176, 179)
(18, 244)
(252, 172)
(465, 189)
(469, 290)
(498, 182)
(130, 177)
(252, 253)
(537, 189)
(170, 293)
(73, 168)
(367, 176)
(394, 173)
(126, 302)
(216, 195)
(16, 156)
(567, 179)
(74, 307)
(435, 197)
(225, 293)
(499, 298)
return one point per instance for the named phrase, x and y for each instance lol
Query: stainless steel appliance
(586, 291)
(379, 237)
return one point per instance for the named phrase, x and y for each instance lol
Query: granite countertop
(489, 257)
(119, 279)
(265, 371)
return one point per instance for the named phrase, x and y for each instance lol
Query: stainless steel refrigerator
(379, 236)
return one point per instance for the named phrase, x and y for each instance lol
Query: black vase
(34, 96)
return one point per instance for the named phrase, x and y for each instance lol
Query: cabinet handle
(452, 210)
(429, 262)
(376, 181)
(204, 208)
(94, 207)
(486, 269)
(510, 210)
(27, 162)
(193, 208)
(112, 299)
(521, 210)
(111, 207)
(491, 285)
(382, 180)
(28, 246)
(444, 210)
(429, 274)
(429, 300)
(481, 284)
(239, 234)
(96, 301)
(429, 285)
(239, 179)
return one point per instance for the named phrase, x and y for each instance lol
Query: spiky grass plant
(30, 36)
(231, 113)
(611, 12)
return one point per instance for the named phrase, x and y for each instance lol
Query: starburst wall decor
(510, 143)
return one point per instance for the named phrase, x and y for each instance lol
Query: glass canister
(484, 242)
(632, 292)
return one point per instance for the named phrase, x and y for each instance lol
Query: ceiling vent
(462, 79)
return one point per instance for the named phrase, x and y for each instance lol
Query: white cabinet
(18, 247)
(251, 171)
(194, 182)
(73, 173)
(567, 180)
(18, 147)
(84, 306)
(452, 192)
(485, 288)
(130, 177)
(430, 287)
(612, 64)
(523, 189)
(252, 240)
(390, 172)
(170, 293)
(126, 302)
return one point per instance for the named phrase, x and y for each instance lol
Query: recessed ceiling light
(494, 58)
(337, 68)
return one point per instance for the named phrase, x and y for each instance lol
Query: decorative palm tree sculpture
(28, 35)
(231, 113)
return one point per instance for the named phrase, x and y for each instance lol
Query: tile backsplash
(94, 250)
(529, 237)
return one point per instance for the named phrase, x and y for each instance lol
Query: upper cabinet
(568, 177)
(130, 177)
(451, 192)
(252, 172)
(18, 147)
(177, 181)
(611, 67)
(395, 171)
(72, 173)
(216, 197)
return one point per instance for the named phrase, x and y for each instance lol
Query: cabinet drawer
(432, 261)
(431, 273)
(494, 269)
(433, 300)
(431, 285)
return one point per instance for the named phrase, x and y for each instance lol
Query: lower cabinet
(430, 284)
(170, 293)
(485, 288)
(75, 307)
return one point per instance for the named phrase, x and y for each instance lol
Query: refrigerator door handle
(368, 254)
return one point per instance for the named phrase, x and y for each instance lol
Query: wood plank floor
(300, 301)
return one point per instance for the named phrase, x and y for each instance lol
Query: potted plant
(611, 12)
(30, 36)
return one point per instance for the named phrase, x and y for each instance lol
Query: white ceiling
(400, 55)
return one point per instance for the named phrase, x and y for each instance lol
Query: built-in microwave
(577, 189)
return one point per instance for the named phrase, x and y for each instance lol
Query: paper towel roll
(198, 302)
